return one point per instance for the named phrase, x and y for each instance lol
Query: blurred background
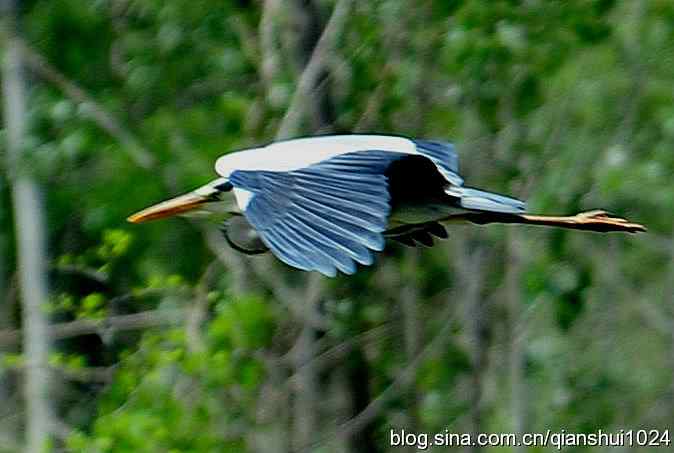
(159, 338)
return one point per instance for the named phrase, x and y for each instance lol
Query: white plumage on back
(299, 153)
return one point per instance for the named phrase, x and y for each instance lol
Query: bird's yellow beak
(168, 208)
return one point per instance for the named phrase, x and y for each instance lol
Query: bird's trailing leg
(414, 235)
(599, 221)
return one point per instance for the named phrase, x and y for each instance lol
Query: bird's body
(326, 203)
(384, 150)
(301, 153)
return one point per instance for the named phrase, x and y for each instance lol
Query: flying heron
(326, 203)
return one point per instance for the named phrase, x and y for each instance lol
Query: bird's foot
(595, 220)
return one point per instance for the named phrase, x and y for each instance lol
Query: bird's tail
(481, 200)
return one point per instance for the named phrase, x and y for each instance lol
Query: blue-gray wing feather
(325, 217)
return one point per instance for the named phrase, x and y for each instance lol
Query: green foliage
(244, 324)
(141, 410)
(567, 104)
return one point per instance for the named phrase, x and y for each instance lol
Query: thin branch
(312, 71)
(135, 321)
(306, 392)
(373, 106)
(90, 273)
(105, 120)
(412, 333)
(268, 47)
(468, 263)
(234, 262)
(246, 37)
(669, 296)
(516, 338)
(339, 351)
(101, 374)
(198, 312)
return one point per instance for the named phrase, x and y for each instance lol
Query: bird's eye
(224, 186)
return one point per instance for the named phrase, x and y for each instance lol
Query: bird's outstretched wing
(325, 217)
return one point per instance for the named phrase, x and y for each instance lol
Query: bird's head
(205, 199)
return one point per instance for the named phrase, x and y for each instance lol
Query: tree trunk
(518, 389)
(306, 399)
(30, 235)
(321, 111)
(412, 337)
(669, 302)
(358, 377)
(469, 266)
(6, 431)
